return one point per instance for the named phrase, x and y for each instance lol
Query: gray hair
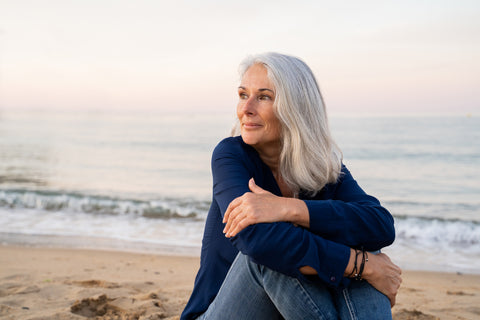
(310, 158)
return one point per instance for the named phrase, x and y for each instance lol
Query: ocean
(140, 181)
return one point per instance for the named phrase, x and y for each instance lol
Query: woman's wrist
(297, 212)
(368, 270)
(358, 266)
(351, 264)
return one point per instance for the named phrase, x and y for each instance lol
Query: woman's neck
(271, 157)
(272, 160)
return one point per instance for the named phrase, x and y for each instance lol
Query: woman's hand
(383, 275)
(379, 271)
(261, 206)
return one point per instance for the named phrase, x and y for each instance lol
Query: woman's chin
(248, 139)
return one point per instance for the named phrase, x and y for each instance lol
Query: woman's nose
(249, 106)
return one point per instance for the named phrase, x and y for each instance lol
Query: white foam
(123, 227)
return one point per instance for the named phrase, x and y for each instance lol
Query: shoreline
(398, 253)
(72, 283)
(75, 242)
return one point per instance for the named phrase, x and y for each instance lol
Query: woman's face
(260, 128)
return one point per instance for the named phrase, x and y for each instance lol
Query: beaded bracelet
(358, 276)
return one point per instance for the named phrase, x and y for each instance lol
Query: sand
(51, 283)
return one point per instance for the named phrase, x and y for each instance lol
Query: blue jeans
(252, 291)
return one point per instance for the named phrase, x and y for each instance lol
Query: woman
(288, 225)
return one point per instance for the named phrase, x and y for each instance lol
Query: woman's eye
(242, 95)
(264, 97)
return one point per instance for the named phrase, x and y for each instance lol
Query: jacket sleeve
(280, 246)
(352, 217)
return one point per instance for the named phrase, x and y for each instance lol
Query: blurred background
(109, 112)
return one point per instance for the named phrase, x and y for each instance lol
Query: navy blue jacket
(342, 215)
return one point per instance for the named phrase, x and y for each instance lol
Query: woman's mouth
(251, 125)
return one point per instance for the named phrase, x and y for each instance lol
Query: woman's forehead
(256, 76)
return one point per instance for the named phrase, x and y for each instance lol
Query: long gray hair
(309, 158)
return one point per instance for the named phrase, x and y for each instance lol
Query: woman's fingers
(253, 207)
(392, 301)
(238, 201)
(235, 203)
(391, 292)
(396, 281)
(233, 220)
(241, 213)
(384, 275)
(239, 218)
(254, 188)
(239, 223)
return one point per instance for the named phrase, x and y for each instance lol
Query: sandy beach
(51, 283)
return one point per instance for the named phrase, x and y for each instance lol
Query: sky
(369, 57)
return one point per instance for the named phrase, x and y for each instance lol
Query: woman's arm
(352, 217)
(261, 206)
(351, 214)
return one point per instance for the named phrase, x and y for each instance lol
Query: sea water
(141, 181)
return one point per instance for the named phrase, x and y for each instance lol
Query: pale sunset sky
(370, 57)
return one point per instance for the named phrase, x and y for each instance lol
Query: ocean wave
(453, 234)
(52, 201)
(62, 208)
